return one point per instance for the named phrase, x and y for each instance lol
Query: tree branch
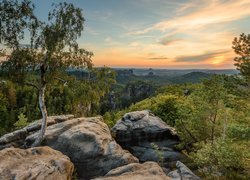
(62, 80)
(32, 84)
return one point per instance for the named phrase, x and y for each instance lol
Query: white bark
(44, 117)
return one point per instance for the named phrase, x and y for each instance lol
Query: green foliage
(15, 17)
(159, 153)
(110, 118)
(220, 158)
(52, 46)
(7, 105)
(22, 121)
(163, 105)
(72, 97)
(167, 109)
(202, 114)
(212, 122)
(241, 47)
(3, 113)
(239, 131)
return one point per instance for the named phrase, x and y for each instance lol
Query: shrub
(239, 131)
(218, 159)
(22, 121)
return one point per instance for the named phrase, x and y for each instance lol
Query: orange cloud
(212, 13)
(122, 58)
(197, 34)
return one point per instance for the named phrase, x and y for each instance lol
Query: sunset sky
(172, 34)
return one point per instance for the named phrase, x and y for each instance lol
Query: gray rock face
(147, 137)
(140, 126)
(136, 171)
(16, 138)
(89, 145)
(87, 141)
(164, 154)
(182, 173)
(34, 163)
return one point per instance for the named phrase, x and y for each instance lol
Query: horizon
(161, 34)
(225, 69)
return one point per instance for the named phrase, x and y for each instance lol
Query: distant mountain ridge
(192, 77)
(165, 76)
(176, 72)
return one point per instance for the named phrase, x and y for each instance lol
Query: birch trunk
(42, 105)
(43, 109)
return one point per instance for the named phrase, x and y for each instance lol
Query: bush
(164, 106)
(22, 121)
(218, 159)
(239, 131)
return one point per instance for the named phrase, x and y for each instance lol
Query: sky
(171, 34)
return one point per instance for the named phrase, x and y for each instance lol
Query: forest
(53, 76)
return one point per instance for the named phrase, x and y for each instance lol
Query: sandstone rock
(136, 171)
(182, 173)
(140, 126)
(135, 116)
(152, 154)
(17, 137)
(34, 163)
(145, 136)
(88, 143)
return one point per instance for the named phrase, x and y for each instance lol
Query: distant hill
(172, 78)
(193, 77)
(159, 76)
(177, 72)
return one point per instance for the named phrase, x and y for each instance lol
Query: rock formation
(147, 137)
(16, 138)
(145, 171)
(182, 173)
(89, 145)
(86, 141)
(34, 163)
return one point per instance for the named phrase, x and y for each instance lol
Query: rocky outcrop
(147, 137)
(145, 171)
(34, 163)
(142, 126)
(89, 145)
(182, 173)
(86, 141)
(16, 138)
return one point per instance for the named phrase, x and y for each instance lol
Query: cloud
(168, 41)
(108, 39)
(188, 6)
(214, 12)
(135, 44)
(158, 58)
(200, 57)
(192, 33)
(91, 31)
(111, 42)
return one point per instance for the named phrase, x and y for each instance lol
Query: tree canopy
(51, 46)
(241, 46)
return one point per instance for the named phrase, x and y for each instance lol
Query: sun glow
(218, 60)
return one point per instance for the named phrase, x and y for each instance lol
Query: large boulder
(182, 173)
(145, 171)
(89, 145)
(16, 138)
(142, 126)
(147, 137)
(34, 163)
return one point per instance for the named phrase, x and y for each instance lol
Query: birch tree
(50, 46)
